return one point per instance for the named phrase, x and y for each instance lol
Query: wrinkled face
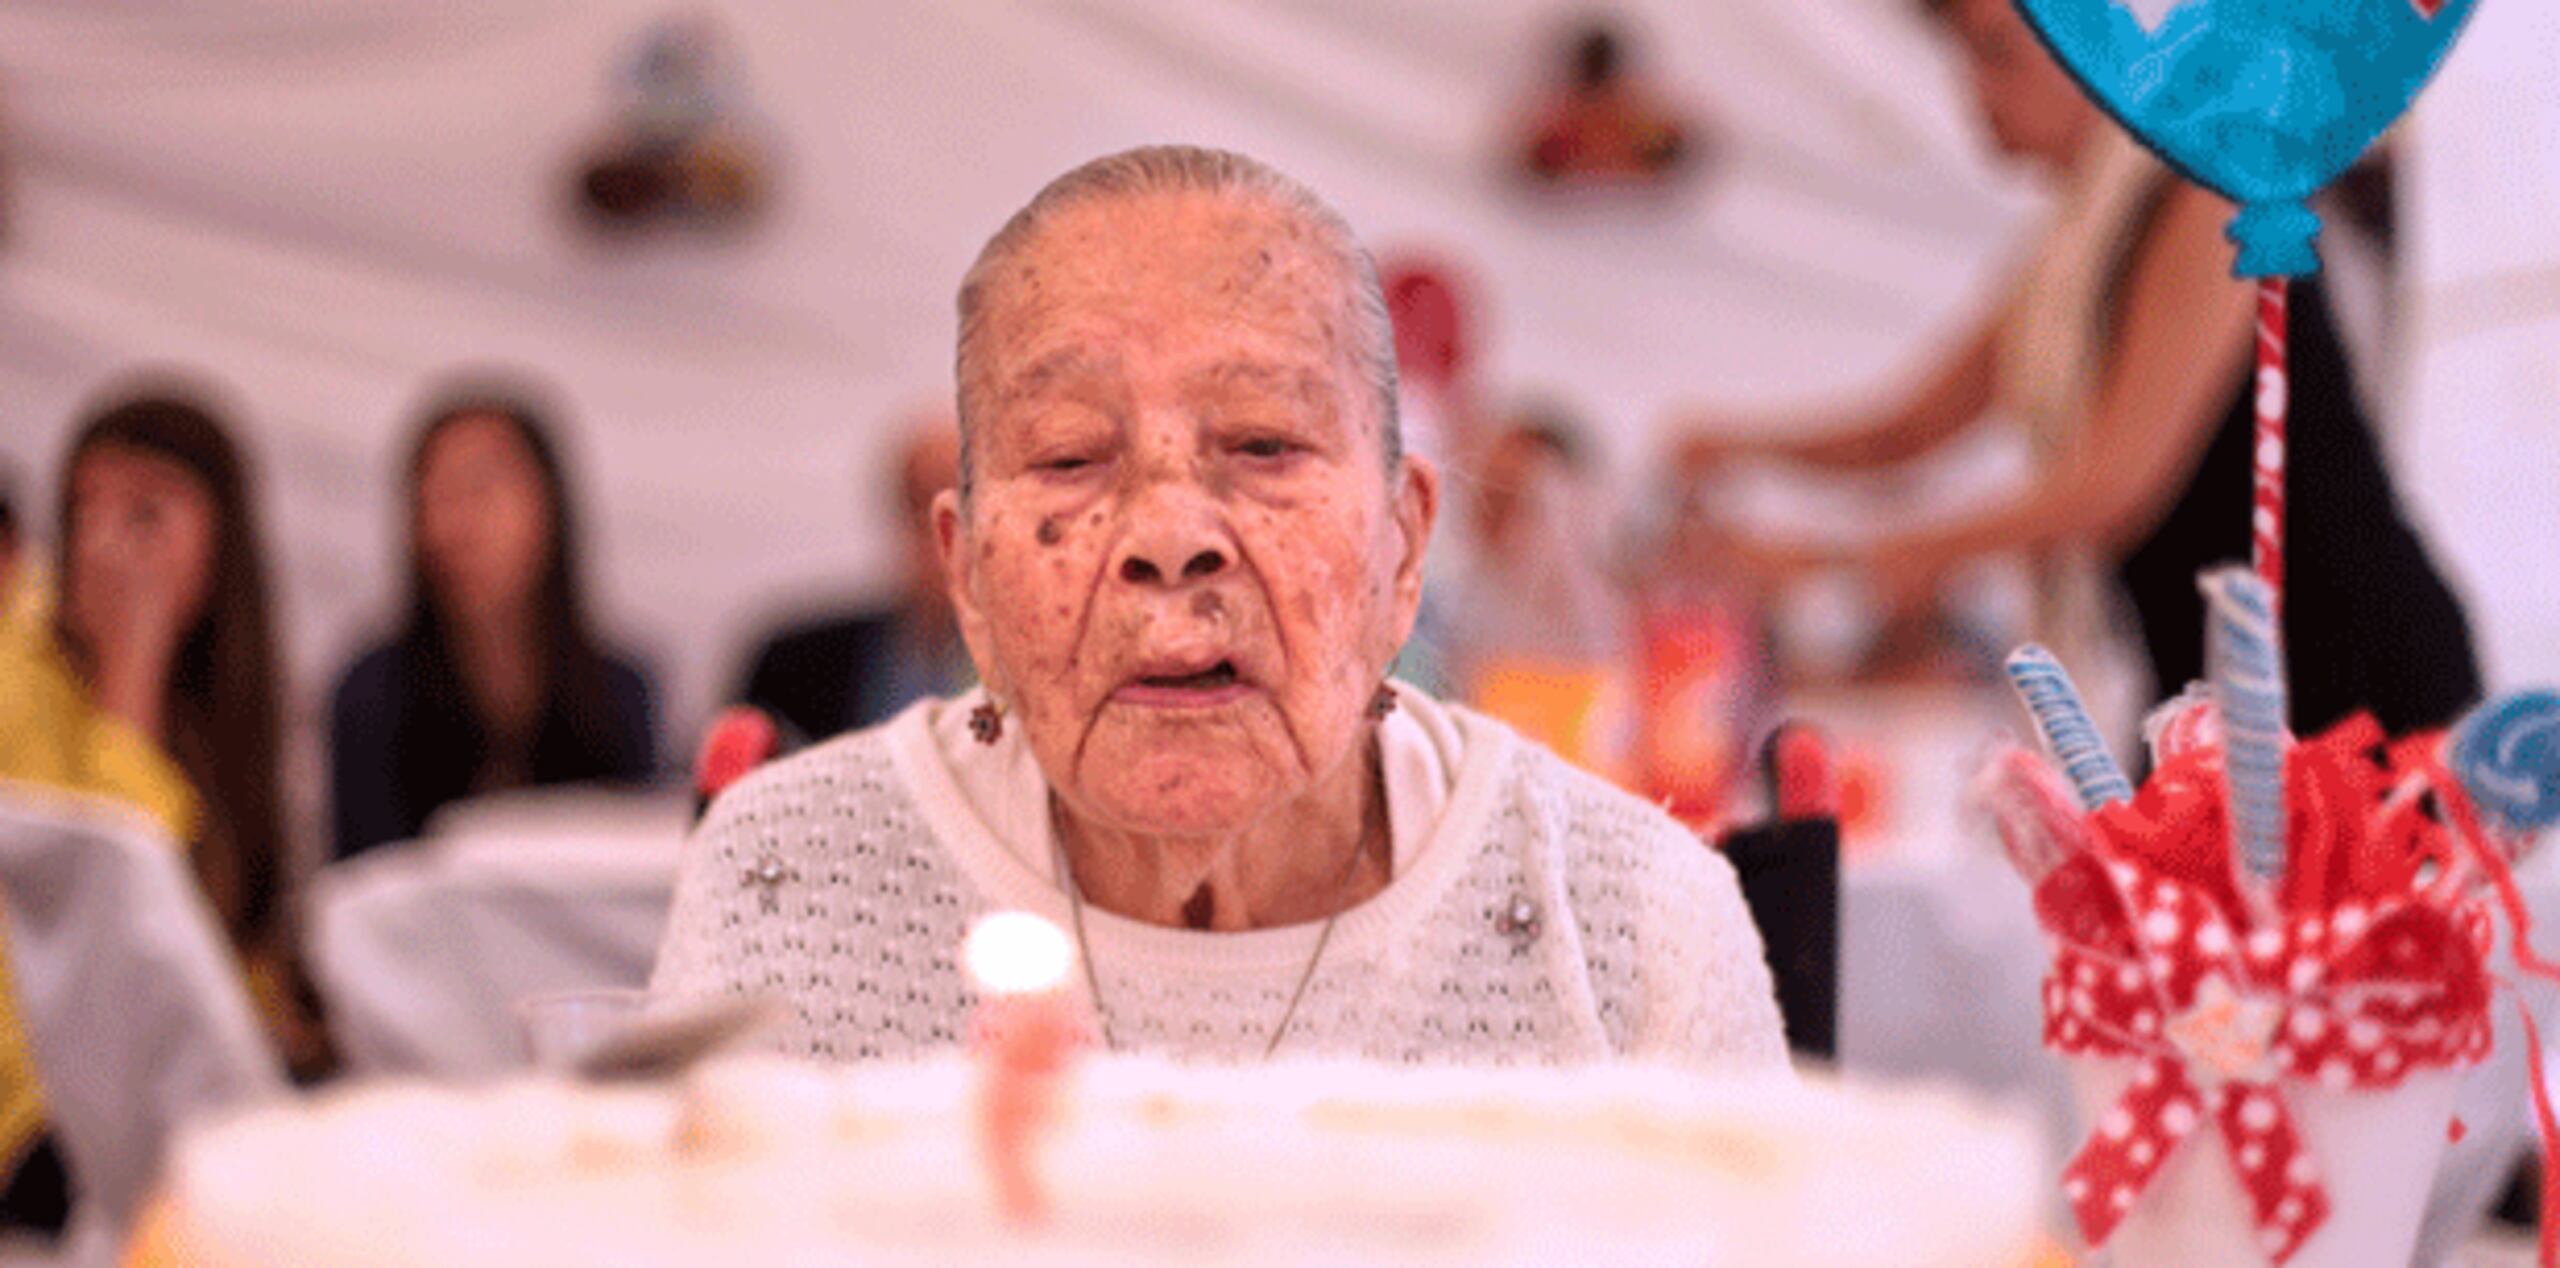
(143, 527)
(484, 516)
(2032, 106)
(1184, 566)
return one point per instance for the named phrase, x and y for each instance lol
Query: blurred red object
(1866, 794)
(1801, 782)
(1427, 300)
(1701, 670)
(741, 739)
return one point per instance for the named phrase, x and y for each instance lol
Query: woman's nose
(1174, 541)
(1143, 568)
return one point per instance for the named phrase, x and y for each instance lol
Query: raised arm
(1956, 392)
(2182, 339)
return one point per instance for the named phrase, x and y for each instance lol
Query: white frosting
(765, 1161)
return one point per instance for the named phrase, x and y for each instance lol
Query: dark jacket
(375, 795)
(828, 675)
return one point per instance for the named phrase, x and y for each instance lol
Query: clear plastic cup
(562, 1027)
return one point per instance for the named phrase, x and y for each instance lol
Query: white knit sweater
(842, 880)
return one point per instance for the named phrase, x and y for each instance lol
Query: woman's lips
(1203, 689)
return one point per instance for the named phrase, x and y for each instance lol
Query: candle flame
(1017, 953)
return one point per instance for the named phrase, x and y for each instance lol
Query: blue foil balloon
(2263, 101)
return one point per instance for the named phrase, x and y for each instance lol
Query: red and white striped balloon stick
(2266, 537)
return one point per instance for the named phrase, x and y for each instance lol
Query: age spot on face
(1207, 605)
(1049, 534)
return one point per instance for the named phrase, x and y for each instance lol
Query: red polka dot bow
(2373, 966)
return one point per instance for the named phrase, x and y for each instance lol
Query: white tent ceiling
(325, 202)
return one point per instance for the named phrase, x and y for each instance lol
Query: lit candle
(1027, 1028)
(2070, 734)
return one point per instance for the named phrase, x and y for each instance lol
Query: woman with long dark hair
(154, 685)
(496, 680)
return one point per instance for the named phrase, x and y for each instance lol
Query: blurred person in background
(850, 669)
(1705, 690)
(1604, 123)
(155, 686)
(497, 680)
(14, 586)
(2125, 350)
(1535, 630)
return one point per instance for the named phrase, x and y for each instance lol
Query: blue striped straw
(2069, 732)
(2244, 659)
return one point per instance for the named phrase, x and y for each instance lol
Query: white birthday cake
(761, 1161)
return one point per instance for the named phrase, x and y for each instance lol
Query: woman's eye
(1065, 465)
(1267, 447)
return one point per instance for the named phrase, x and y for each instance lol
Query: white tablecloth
(129, 998)
(422, 950)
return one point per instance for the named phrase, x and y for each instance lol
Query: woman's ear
(1416, 508)
(960, 580)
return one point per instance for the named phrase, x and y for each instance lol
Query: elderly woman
(1185, 546)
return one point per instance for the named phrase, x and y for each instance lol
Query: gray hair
(1165, 169)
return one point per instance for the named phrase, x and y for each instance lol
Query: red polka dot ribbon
(2373, 966)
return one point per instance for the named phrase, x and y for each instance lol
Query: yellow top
(51, 733)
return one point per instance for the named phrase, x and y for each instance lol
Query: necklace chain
(1093, 979)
